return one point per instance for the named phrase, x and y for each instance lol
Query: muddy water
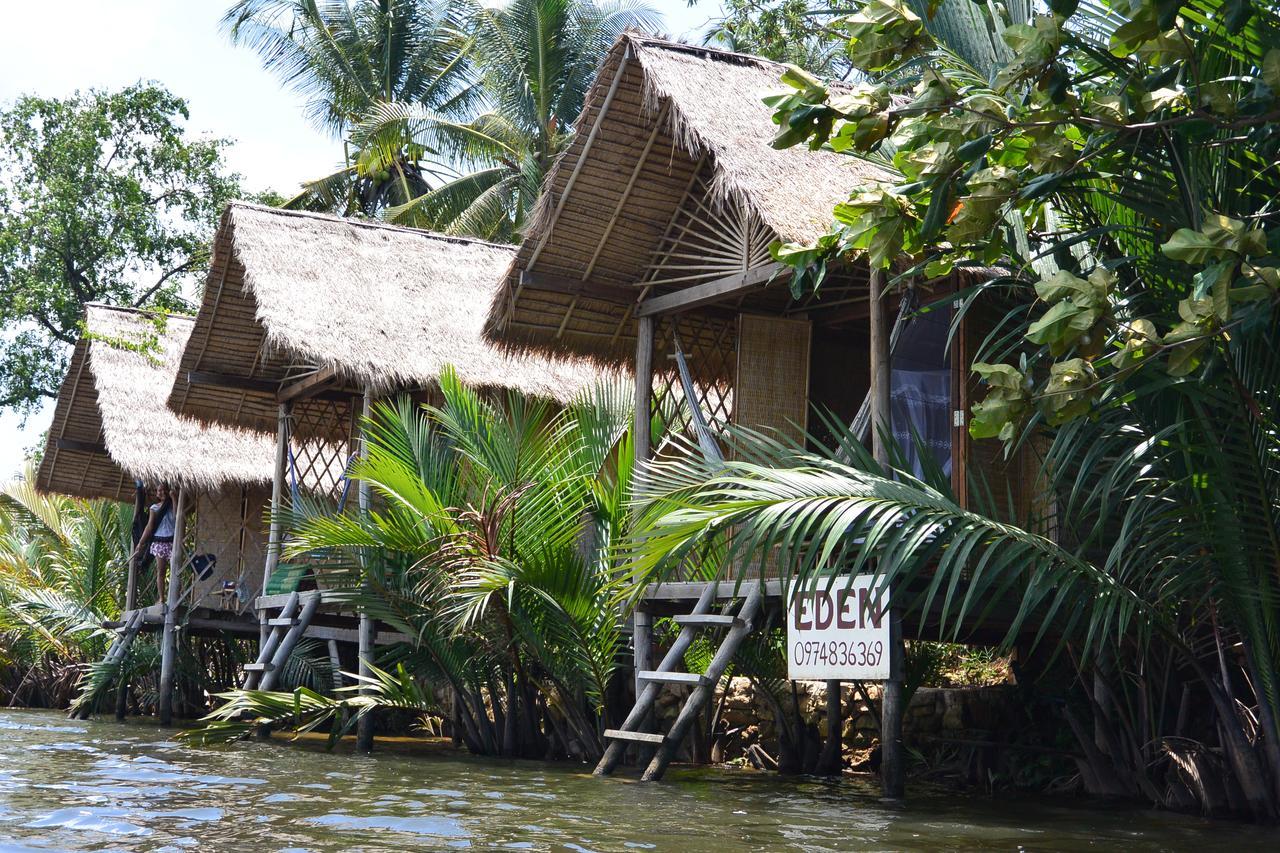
(128, 787)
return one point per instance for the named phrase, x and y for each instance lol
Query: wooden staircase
(283, 633)
(737, 627)
(119, 649)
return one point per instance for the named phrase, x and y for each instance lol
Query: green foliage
(791, 31)
(104, 197)
(1115, 163)
(1096, 117)
(353, 59)
(488, 544)
(61, 574)
(452, 111)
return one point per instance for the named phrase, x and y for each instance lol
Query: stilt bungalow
(652, 238)
(113, 432)
(305, 320)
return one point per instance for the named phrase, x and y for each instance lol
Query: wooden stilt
(130, 604)
(169, 639)
(275, 532)
(364, 727)
(644, 389)
(335, 664)
(892, 757)
(831, 761)
(642, 642)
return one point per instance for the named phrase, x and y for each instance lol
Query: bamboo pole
(892, 755)
(364, 727)
(275, 530)
(130, 596)
(169, 639)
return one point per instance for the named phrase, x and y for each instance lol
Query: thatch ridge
(113, 406)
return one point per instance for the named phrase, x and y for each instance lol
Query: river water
(107, 786)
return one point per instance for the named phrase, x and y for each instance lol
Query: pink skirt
(162, 550)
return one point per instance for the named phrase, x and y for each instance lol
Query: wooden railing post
(169, 639)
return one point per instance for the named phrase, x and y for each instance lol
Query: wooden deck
(330, 622)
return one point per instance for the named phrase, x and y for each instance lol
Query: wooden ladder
(283, 633)
(115, 656)
(668, 673)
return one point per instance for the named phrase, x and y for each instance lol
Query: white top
(164, 527)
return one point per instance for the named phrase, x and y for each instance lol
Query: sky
(177, 43)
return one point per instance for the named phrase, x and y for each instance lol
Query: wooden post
(364, 728)
(130, 604)
(642, 640)
(169, 639)
(892, 758)
(130, 597)
(831, 762)
(275, 530)
(644, 389)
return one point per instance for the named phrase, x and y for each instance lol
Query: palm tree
(347, 57)
(536, 60)
(490, 548)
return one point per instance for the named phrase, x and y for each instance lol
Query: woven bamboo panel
(772, 391)
(230, 526)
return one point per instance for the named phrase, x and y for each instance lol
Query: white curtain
(920, 400)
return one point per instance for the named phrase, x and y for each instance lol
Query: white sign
(839, 633)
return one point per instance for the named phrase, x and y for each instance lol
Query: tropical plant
(348, 58)
(536, 60)
(61, 575)
(1120, 163)
(488, 546)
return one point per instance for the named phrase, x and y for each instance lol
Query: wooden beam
(308, 386)
(578, 287)
(77, 444)
(721, 289)
(230, 380)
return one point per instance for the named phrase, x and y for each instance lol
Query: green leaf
(1191, 247)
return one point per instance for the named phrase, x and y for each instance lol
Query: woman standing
(157, 538)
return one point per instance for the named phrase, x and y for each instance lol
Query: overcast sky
(54, 48)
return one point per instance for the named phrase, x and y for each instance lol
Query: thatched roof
(662, 121)
(383, 307)
(112, 422)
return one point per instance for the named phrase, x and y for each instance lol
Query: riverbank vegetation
(489, 545)
(1119, 162)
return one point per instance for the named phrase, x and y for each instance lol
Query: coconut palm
(488, 546)
(346, 57)
(536, 60)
